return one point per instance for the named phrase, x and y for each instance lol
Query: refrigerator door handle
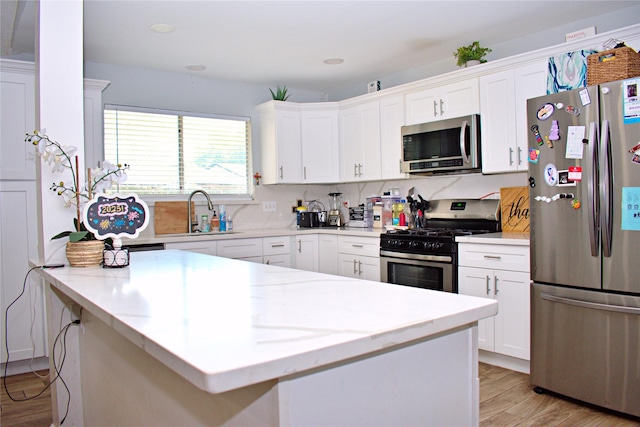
(592, 190)
(588, 304)
(606, 188)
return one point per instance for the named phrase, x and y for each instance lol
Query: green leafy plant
(280, 94)
(59, 157)
(472, 52)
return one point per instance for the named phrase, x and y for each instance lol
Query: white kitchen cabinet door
(17, 103)
(328, 253)
(360, 267)
(391, 122)
(360, 143)
(443, 102)
(478, 282)
(507, 332)
(503, 109)
(320, 145)
(512, 322)
(281, 143)
(18, 228)
(306, 247)
(207, 247)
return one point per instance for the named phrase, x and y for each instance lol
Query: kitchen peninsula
(179, 338)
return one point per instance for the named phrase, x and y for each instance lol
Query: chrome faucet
(191, 224)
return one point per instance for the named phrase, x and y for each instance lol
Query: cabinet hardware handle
(495, 284)
(519, 156)
(359, 268)
(268, 262)
(441, 109)
(435, 105)
(355, 245)
(355, 170)
(281, 173)
(355, 270)
(488, 288)
(510, 156)
(305, 172)
(299, 245)
(359, 169)
(279, 245)
(400, 165)
(492, 257)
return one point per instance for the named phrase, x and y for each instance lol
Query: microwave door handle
(463, 149)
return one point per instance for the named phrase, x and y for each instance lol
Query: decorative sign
(514, 206)
(116, 216)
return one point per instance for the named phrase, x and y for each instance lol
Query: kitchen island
(180, 338)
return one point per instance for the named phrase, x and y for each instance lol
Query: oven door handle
(416, 257)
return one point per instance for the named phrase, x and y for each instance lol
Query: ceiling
(286, 42)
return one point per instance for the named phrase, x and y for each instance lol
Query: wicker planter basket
(85, 254)
(611, 65)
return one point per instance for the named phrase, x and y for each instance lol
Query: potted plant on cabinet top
(467, 55)
(83, 249)
(280, 94)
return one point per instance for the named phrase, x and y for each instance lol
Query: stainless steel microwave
(445, 146)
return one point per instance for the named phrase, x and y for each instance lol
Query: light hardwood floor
(506, 399)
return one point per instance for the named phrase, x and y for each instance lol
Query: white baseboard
(507, 362)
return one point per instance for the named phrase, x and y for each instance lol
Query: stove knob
(414, 245)
(425, 245)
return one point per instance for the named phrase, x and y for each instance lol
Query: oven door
(420, 271)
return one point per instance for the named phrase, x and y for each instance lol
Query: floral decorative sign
(116, 216)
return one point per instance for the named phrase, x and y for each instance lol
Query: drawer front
(276, 245)
(207, 247)
(366, 246)
(500, 257)
(240, 248)
(279, 260)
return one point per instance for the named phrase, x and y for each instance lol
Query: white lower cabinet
(328, 253)
(277, 251)
(207, 247)
(244, 249)
(359, 257)
(499, 272)
(306, 252)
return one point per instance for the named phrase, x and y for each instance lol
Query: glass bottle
(204, 224)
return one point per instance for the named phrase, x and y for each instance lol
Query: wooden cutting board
(514, 209)
(171, 217)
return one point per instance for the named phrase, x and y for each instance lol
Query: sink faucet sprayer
(189, 222)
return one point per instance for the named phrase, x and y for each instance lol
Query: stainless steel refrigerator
(584, 182)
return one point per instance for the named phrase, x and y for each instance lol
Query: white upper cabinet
(280, 139)
(360, 142)
(503, 109)
(299, 142)
(442, 102)
(320, 145)
(391, 121)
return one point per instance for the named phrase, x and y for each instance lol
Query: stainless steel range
(428, 257)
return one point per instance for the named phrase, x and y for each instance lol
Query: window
(173, 152)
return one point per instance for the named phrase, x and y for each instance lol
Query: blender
(335, 212)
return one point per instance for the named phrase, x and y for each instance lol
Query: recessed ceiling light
(333, 61)
(162, 28)
(196, 67)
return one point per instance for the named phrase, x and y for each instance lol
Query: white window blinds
(175, 152)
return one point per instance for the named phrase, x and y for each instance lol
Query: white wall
(512, 45)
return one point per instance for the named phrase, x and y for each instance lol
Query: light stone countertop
(223, 324)
(504, 238)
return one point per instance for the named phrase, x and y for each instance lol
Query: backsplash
(250, 216)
